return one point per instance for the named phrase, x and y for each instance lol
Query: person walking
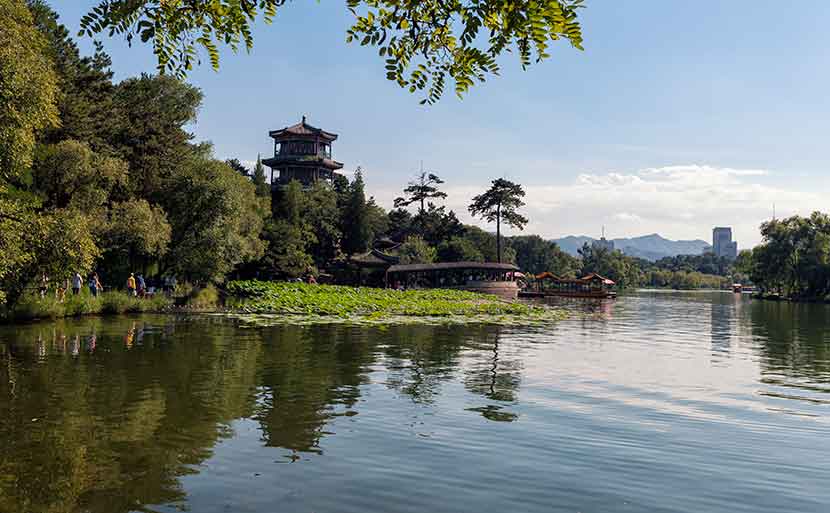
(60, 292)
(98, 287)
(76, 284)
(93, 286)
(44, 284)
(131, 285)
(142, 286)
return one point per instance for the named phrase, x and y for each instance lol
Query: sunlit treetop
(427, 45)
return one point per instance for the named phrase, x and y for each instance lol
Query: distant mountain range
(650, 247)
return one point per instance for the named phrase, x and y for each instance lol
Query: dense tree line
(793, 259)
(102, 175)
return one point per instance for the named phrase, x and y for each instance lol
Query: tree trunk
(498, 233)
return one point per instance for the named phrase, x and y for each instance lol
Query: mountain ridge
(650, 247)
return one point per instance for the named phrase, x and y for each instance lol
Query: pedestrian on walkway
(76, 284)
(131, 285)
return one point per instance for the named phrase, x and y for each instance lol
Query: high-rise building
(722, 243)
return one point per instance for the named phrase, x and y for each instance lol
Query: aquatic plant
(375, 304)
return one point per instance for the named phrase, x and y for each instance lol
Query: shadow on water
(115, 414)
(794, 344)
(108, 414)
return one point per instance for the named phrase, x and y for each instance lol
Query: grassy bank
(32, 307)
(351, 302)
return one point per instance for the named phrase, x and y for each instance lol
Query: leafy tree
(399, 224)
(536, 255)
(321, 221)
(85, 101)
(499, 204)
(286, 255)
(794, 258)
(263, 188)
(357, 232)
(486, 243)
(215, 216)
(378, 219)
(135, 229)
(416, 250)
(70, 174)
(706, 263)
(436, 225)
(291, 204)
(423, 189)
(53, 242)
(611, 264)
(459, 249)
(150, 134)
(424, 44)
(238, 166)
(28, 91)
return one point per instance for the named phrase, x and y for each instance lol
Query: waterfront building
(301, 152)
(485, 277)
(722, 243)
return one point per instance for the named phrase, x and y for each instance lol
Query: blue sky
(677, 117)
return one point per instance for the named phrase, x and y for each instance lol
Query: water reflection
(114, 414)
(794, 344)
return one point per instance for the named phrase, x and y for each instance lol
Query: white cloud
(679, 202)
(626, 217)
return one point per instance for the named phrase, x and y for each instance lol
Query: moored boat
(590, 286)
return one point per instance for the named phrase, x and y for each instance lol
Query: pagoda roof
(375, 258)
(302, 129)
(302, 160)
(487, 266)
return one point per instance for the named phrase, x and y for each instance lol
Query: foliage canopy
(425, 44)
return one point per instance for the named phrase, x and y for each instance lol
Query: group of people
(74, 282)
(136, 285)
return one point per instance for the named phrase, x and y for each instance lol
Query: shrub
(81, 304)
(32, 306)
(203, 298)
(114, 302)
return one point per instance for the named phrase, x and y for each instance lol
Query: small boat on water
(590, 286)
(737, 288)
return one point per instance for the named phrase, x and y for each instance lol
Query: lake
(658, 402)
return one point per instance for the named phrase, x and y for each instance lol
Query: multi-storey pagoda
(303, 153)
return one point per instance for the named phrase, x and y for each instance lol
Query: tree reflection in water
(106, 414)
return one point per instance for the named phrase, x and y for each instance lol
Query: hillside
(650, 247)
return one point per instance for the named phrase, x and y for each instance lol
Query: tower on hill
(303, 153)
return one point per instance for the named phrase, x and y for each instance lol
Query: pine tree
(261, 184)
(357, 233)
(499, 203)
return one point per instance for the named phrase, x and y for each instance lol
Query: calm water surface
(658, 402)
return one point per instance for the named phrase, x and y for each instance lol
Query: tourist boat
(486, 277)
(590, 286)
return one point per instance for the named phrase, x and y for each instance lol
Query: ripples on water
(655, 402)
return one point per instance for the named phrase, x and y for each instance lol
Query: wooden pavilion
(488, 277)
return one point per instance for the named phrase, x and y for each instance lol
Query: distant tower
(604, 243)
(303, 153)
(722, 243)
